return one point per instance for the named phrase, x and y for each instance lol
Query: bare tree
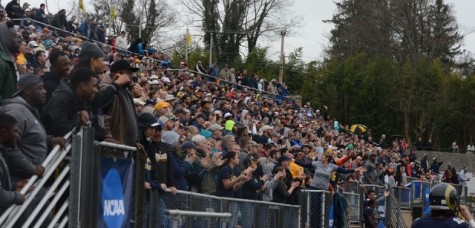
(230, 23)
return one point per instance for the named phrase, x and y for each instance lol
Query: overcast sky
(313, 35)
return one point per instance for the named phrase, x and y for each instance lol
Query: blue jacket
(139, 49)
(180, 172)
(83, 29)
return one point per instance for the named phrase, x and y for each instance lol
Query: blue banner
(427, 209)
(116, 181)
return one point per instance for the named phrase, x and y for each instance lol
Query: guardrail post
(139, 188)
(83, 178)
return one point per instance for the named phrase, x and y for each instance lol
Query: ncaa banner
(116, 181)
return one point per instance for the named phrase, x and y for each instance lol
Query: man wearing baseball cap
(158, 171)
(34, 145)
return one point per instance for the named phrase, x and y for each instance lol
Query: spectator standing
(9, 45)
(70, 26)
(425, 166)
(123, 123)
(9, 195)
(181, 162)
(101, 34)
(454, 148)
(435, 166)
(419, 144)
(92, 57)
(369, 214)
(67, 109)
(59, 20)
(60, 65)
(84, 28)
(199, 68)
(230, 180)
(40, 16)
(471, 148)
(462, 176)
(225, 74)
(158, 172)
(33, 147)
(13, 9)
(121, 41)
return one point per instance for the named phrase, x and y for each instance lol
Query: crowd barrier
(314, 205)
(105, 178)
(106, 183)
(205, 208)
(42, 196)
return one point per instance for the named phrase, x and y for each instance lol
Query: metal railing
(177, 217)
(38, 204)
(393, 215)
(246, 213)
(315, 207)
(403, 196)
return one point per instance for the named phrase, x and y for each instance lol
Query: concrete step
(354, 226)
(407, 216)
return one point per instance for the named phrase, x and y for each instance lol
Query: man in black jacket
(13, 9)
(8, 138)
(92, 57)
(40, 15)
(59, 69)
(68, 108)
(59, 20)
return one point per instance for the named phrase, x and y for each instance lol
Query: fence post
(83, 177)
(139, 188)
(75, 187)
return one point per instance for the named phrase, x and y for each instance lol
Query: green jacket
(8, 76)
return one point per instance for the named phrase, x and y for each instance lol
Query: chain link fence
(314, 205)
(245, 213)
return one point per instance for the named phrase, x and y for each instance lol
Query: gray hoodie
(32, 141)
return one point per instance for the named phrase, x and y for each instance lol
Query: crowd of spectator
(200, 133)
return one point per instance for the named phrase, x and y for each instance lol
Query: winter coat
(33, 139)
(8, 195)
(59, 116)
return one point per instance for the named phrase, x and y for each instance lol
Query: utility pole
(140, 27)
(186, 45)
(211, 49)
(281, 71)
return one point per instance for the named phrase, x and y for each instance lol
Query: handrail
(18, 210)
(116, 146)
(52, 204)
(178, 213)
(60, 212)
(48, 194)
(63, 222)
(234, 199)
(51, 156)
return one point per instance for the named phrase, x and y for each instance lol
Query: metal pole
(186, 45)
(140, 27)
(281, 71)
(211, 49)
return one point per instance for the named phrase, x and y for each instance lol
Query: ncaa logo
(113, 199)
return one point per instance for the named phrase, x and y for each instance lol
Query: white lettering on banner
(113, 207)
